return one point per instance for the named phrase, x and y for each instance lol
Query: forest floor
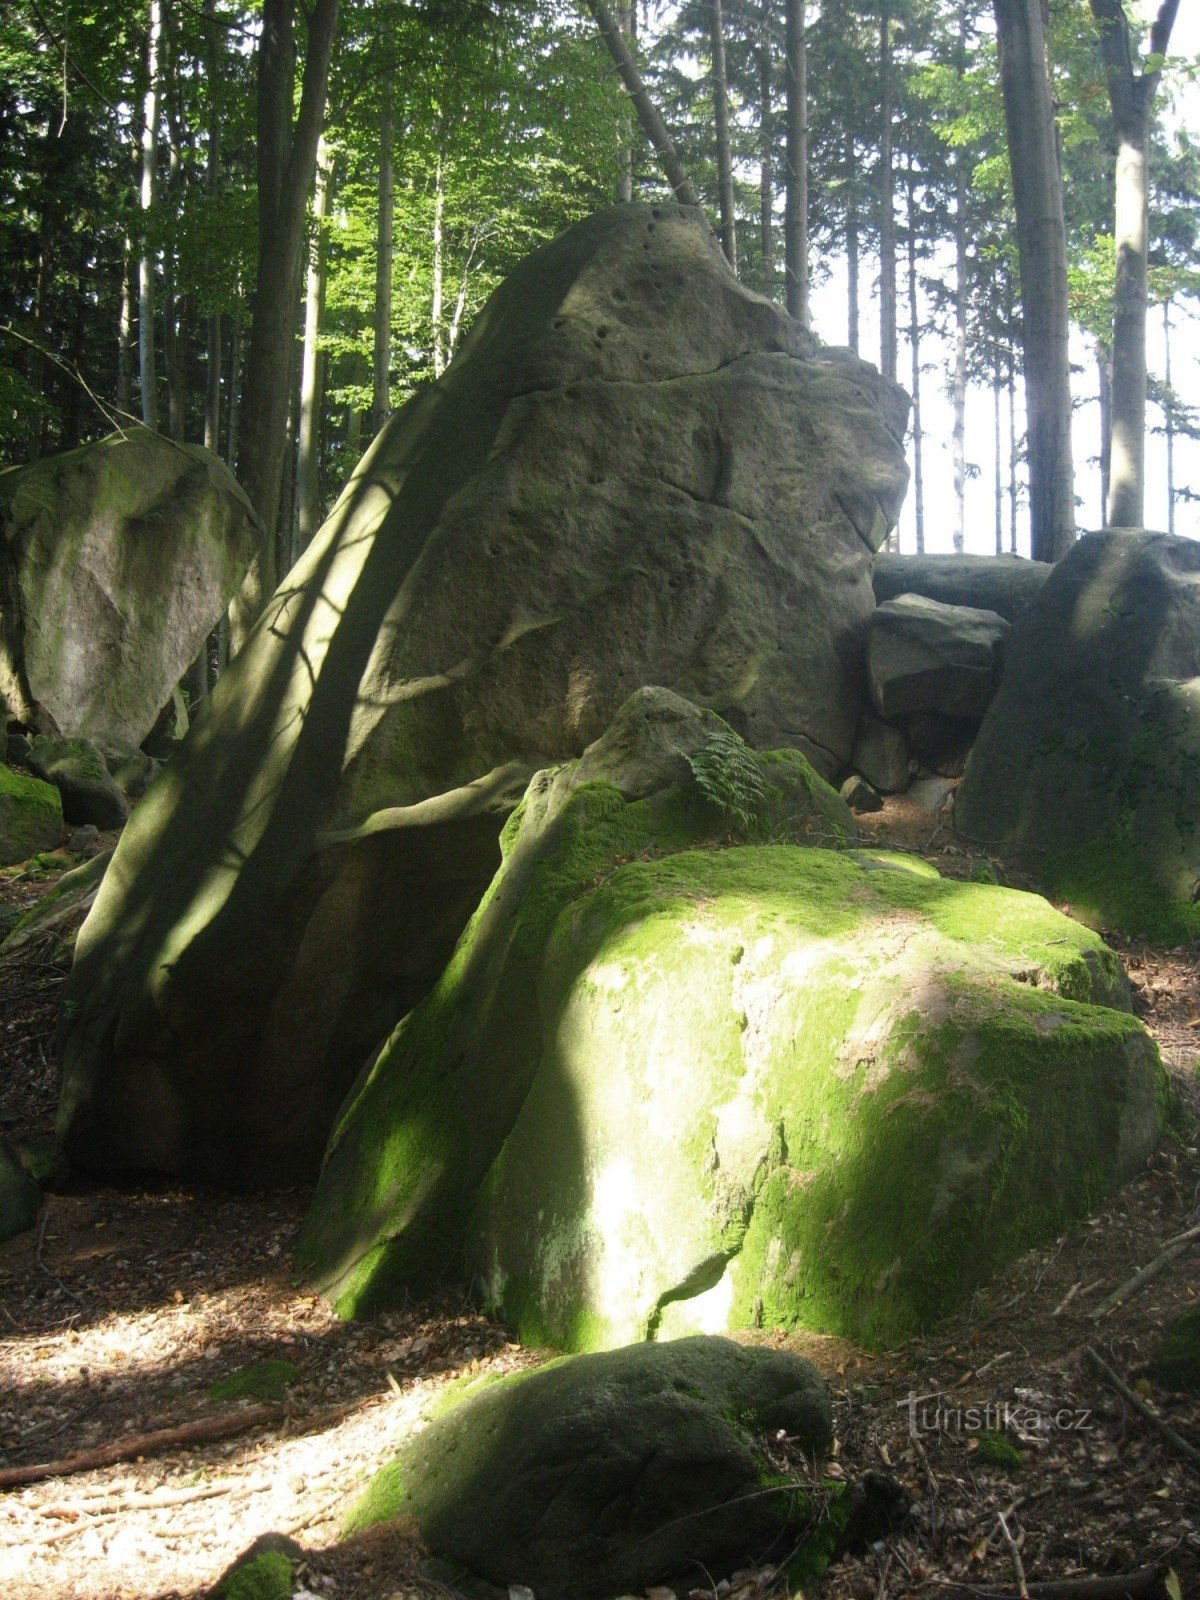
(124, 1312)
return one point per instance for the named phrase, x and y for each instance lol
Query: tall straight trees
(720, 93)
(1042, 249)
(286, 166)
(795, 225)
(1131, 97)
(148, 196)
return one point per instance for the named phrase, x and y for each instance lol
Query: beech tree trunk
(286, 159)
(887, 220)
(1131, 97)
(1014, 452)
(852, 243)
(125, 332)
(795, 223)
(627, 22)
(381, 403)
(438, 288)
(1169, 417)
(997, 475)
(914, 340)
(213, 43)
(766, 152)
(648, 115)
(308, 457)
(720, 91)
(961, 303)
(147, 373)
(1104, 379)
(1042, 251)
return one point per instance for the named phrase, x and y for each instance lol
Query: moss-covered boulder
(1176, 1363)
(1088, 762)
(1005, 584)
(116, 560)
(20, 1195)
(31, 816)
(600, 1475)
(670, 1083)
(78, 771)
(635, 471)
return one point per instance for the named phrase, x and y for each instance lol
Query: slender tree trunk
(285, 527)
(172, 363)
(795, 221)
(308, 457)
(914, 339)
(214, 71)
(997, 475)
(147, 373)
(1042, 249)
(626, 19)
(460, 303)
(1104, 375)
(1131, 97)
(381, 403)
(438, 287)
(1169, 417)
(961, 302)
(649, 118)
(125, 338)
(852, 337)
(286, 165)
(766, 152)
(720, 93)
(1014, 453)
(233, 439)
(887, 220)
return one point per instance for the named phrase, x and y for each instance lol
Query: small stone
(859, 795)
(881, 756)
(82, 842)
(931, 794)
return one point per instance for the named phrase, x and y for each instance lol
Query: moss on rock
(31, 817)
(1177, 1364)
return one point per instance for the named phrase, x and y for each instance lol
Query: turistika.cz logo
(931, 1413)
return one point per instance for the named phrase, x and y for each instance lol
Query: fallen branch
(1173, 1248)
(205, 1430)
(1115, 1382)
(1149, 1583)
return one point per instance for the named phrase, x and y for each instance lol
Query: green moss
(1177, 1364)
(31, 817)
(385, 1497)
(996, 1450)
(269, 1379)
(828, 1515)
(266, 1577)
(1108, 885)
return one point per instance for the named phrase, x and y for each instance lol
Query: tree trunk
(213, 67)
(720, 93)
(766, 153)
(1042, 250)
(172, 362)
(795, 222)
(887, 220)
(439, 267)
(1104, 376)
(914, 339)
(1131, 97)
(235, 392)
(286, 164)
(1014, 454)
(852, 335)
(1169, 417)
(961, 293)
(308, 457)
(381, 403)
(649, 119)
(125, 332)
(146, 368)
(626, 19)
(997, 475)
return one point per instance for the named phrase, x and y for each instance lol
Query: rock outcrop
(926, 656)
(674, 1080)
(1004, 584)
(635, 471)
(602, 1475)
(1088, 762)
(116, 560)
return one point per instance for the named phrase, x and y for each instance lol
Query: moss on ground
(267, 1576)
(996, 1450)
(1177, 1364)
(269, 1379)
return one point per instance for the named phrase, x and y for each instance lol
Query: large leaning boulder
(923, 655)
(635, 471)
(677, 1081)
(1088, 762)
(600, 1475)
(116, 560)
(1004, 584)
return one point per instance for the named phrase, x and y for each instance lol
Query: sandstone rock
(116, 560)
(859, 794)
(1089, 760)
(762, 1085)
(931, 794)
(1004, 584)
(31, 817)
(132, 770)
(20, 1197)
(76, 769)
(881, 756)
(635, 471)
(926, 656)
(673, 1445)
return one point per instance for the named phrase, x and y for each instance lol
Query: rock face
(926, 656)
(673, 1440)
(31, 817)
(116, 560)
(78, 771)
(760, 1085)
(1089, 759)
(20, 1196)
(1004, 584)
(634, 472)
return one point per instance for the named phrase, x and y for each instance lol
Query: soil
(130, 1302)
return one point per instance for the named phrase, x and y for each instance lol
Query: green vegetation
(1177, 1363)
(267, 1576)
(268, 1379)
